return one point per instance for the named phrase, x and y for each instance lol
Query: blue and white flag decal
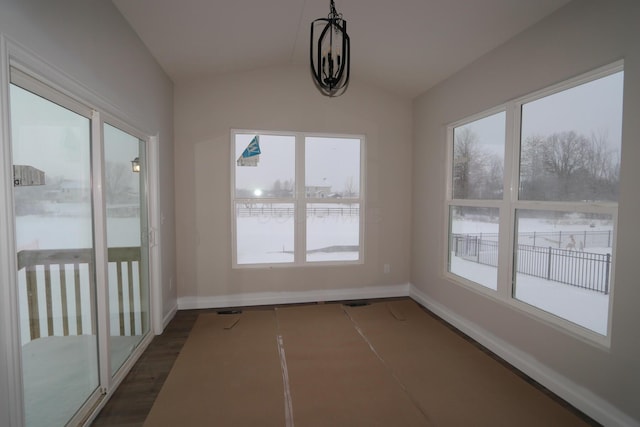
(253, 149)
(251, 155)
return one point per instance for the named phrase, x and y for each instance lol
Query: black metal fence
(476, 249)
(583, 269)
(578, 240)
(571, 266)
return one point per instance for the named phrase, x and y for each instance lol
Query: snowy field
(62, 232)
(69, 226)
(580, 306)
(528, 225)
(271, 239)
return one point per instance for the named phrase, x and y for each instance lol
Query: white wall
(579, 37)
(89, 41)
(284, 99)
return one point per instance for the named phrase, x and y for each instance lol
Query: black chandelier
(330, 54)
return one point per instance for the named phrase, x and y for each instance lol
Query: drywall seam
(580, 397)
(270, 298)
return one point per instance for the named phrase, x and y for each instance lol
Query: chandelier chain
(333, 14)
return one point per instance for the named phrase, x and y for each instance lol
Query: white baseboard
(269, 298)
(580, 397)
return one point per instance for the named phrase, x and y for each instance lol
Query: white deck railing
(69, 275)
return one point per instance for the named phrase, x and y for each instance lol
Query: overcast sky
(57, 141)
(49, 137)
(329, 161)
(591, 108)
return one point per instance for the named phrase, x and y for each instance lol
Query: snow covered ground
(62, 232)
(69, 226)
(271, 239)
(580, 306)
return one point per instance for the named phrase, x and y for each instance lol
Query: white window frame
(299, 200)
(500, 204)
(510, 204)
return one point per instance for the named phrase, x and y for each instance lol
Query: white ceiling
(406, 46)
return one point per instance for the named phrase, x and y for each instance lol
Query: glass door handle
(152, 238)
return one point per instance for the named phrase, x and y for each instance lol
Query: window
(477, 188)
(541, 208)
(297, 198)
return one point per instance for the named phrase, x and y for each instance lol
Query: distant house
(24, 176)
(318, 191)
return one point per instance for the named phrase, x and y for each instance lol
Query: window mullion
(300, 231)
(507, 210)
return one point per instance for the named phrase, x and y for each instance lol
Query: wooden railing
(127, 256)
(72, 262)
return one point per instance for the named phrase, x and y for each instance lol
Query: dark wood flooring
(132, 401)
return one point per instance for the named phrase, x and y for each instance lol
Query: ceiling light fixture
(330, 54)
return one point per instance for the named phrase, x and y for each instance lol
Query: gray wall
(284, 99)
(582, 36)
(89, 41)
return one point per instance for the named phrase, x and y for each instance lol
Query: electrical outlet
(387, 268)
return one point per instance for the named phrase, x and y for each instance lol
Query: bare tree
(565, 154)
(477, 173)
(535, 180)
(494, 185)
(118, 178)
(568, 166)
(602, 161)
(465, 162)
(349, 187)
(288, 186)
(277, 188)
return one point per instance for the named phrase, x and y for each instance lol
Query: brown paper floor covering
(384, 364)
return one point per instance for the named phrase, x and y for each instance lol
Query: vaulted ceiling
(404, 46)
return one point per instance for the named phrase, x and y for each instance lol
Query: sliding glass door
(51, 147)
(82, 250)
(127, 231)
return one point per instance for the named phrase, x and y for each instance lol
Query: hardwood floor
(131, 403)
(133, 400)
